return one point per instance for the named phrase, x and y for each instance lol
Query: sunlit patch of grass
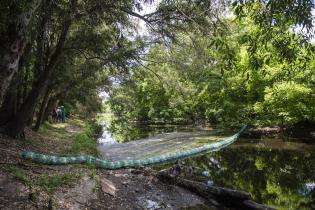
(84, 144)
(59, 126)
(56, 130)
(82, 141)
(78, 123)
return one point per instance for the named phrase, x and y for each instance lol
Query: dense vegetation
(224, 62)
(242, 70)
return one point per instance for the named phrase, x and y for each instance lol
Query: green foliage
(231, 76)
(200, 63)
(280, 13)
(287, 103)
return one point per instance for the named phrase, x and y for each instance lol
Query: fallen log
(217, 196)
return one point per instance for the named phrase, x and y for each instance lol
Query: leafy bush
(287, 103)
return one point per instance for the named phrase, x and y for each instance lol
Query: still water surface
(280, 174)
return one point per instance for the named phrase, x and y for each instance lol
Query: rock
(13, 194)
(136, 171)
(76, 197)
(125, 183)
(108, 187)
(152, 205)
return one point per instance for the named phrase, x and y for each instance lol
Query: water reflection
(106, 137)
(279, 178)
(126, 132)
(280, 174)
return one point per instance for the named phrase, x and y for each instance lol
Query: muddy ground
(25, 185)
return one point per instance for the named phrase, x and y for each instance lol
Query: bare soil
(25, 185)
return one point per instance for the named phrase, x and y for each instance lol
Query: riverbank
(36, 186)
(25, 185)
(302, 130)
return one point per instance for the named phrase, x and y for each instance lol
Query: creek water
(278, 173)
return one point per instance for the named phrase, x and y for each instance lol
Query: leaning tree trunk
(22, 75)
(12, 50)
(10, 103)
(52, 103)
(220, 197)
(15, 126)
(41, 113)
(9, 65)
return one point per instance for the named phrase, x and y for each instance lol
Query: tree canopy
(224, 62)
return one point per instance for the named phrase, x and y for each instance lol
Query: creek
(278, 173)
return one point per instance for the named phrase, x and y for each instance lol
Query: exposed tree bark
(12, 99)
(22, 75)
(9, 106)
(16, 125)
(12, 50)
(9, 65)
(24, 91)
(42, 49)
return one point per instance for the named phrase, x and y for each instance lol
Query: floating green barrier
(105, 164)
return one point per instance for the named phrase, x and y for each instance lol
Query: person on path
(58, 111)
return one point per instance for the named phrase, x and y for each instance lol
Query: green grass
(19, 174)
(56, 130)
(61, 141)
(50, 183)
(78, 123)
(81, 142)
(84, 144)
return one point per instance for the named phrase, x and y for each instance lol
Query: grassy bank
(73, 137)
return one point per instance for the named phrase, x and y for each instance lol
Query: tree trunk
(52, 103)
(16, 126)
(12, 100)
(219, 197)
(24, 88)
(41, 113)
(9, 105)
(12, 50)
(9, 65)
(31, 117)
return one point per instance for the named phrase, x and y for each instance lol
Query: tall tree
(16, 21)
